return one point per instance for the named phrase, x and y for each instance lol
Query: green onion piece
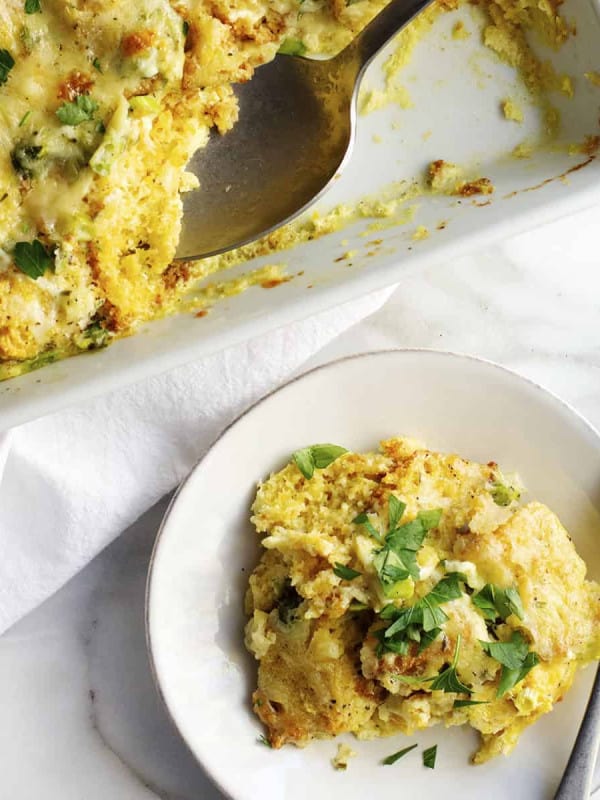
(292, 47)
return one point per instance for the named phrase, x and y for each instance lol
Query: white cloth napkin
(71, 482)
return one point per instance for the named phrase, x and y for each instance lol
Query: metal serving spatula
(295, 134)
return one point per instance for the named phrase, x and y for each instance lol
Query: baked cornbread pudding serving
(102, 104)
(404, 588)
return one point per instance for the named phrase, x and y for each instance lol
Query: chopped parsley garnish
(32, 6)
(426, 611)
(429, 757)
(396, 509)
(504, 494)
(186, 28)
(292, 47)
(495, 602)
(397, 559)
(317, 456)
(80, 110)
(347, 573)
(397, 756)
(516, 659)
(7, 62)
(97, 65)
(32, 258)
(447, 680)
(420, 622)
(465, 703)
(263, 740)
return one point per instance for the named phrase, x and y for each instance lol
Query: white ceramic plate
(207, 547)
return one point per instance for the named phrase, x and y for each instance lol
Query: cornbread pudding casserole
(406, 588)
(102, 104)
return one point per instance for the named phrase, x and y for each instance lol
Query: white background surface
(80, 719)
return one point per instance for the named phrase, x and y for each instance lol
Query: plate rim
(395, 351)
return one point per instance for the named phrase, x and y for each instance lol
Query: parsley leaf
(347, 573)
(465, 703)
(81, 110)
(510, 654)
(97, 65)
(398, 646)
(446, 589)
(7, 62)
(317, 456)
(363, 519)
(407, 537)
(32, 6)
(432, 615)
(428, 637)
(494, 602)
(396, 561)
(397, 756)
(32, 258)
(516, 659)
(447, 680)
(292, 47)
(396, 509)
(429, 757)
(263, 740)
(510, 677)
(390, 567)
(511, 603)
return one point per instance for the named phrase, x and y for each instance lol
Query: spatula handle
(576, 783)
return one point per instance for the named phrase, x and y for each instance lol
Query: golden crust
(314, 632)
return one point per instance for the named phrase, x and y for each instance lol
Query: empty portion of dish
(406, 588)
(102, 104)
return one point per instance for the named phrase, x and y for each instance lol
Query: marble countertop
(80, 718)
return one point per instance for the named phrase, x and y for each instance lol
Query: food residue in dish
(512, 110)
(593, 78)
(447, 178)
(342, 757)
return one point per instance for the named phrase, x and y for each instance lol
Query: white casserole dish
(457, 87)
